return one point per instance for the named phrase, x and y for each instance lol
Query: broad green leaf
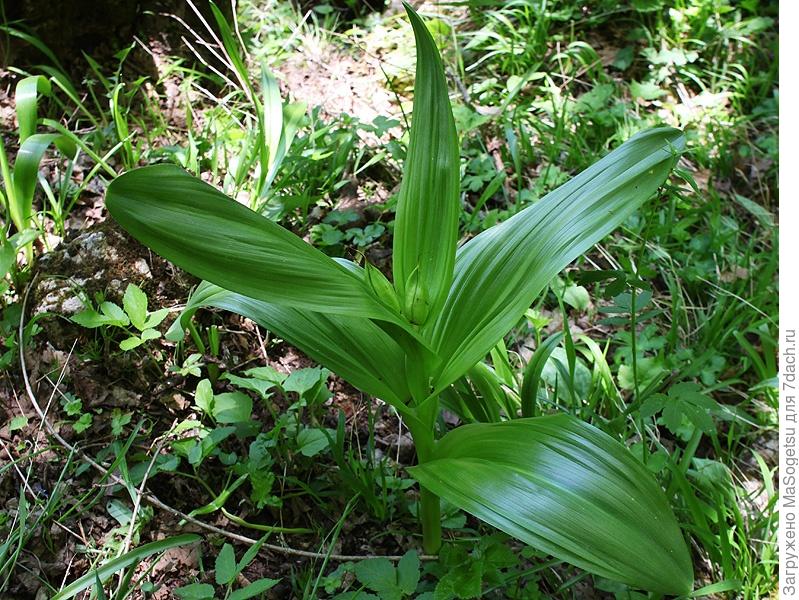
(257, 587)
(150, 334)
(213, 237)
(426, 226)
(646, 90)
(572, 294)
(195, 591)
(135, 304)
(500, 272)
(154, 318)
(356, 349)
(232, 407)
(379, 575)
(83, 423)
(255, 384)
(114, 314)
(107, 569)
(408, 572)
(225, 566)
(647, 370)
(18, 422)
(130, 343)
(568, 489)
(203, 449)
(683, 399)
(311, 442)
(119, 511)
(204, 396)
(110, 314)
(302, 380)
(8, 257)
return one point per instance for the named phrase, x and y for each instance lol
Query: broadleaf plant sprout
(552, 481)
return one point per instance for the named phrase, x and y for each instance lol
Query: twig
(151, 498)
(137, 503)
(21, 475)
(467, 99)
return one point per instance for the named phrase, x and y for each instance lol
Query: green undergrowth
(663, 335)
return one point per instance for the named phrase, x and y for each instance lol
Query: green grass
(686, 294)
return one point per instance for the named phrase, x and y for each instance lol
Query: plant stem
(422, 428)
(430, 516)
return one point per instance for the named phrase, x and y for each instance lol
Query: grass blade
(532, 374)
(121, 562)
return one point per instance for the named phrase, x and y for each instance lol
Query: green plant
(277, 123)
(132, 312)
(226, 572)
(73, 407)
(19, 180)
(554, 482)
(379, 575)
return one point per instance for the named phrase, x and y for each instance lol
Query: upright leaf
(213, 237)
(426, 226)
(272, 126)
(569, 489)
(26, 172)
(532, 374)
(26, 97)
(499, 273)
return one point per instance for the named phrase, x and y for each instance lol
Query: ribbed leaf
(354, 348)
(426, 226)
(213, 237)
(567, 488)
(499, 273)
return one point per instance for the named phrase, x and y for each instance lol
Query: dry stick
(137, 503)
(151, 498)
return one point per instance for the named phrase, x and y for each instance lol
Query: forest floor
(301, 490)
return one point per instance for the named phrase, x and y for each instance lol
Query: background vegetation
(115, 441)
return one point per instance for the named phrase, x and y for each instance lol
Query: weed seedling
(133, 312)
